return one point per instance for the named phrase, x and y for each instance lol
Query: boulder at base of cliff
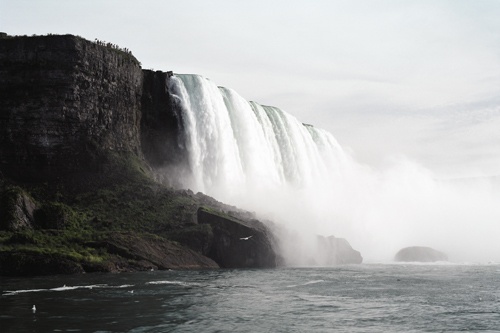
(151, 251)
(337, 251)
(16, 209)
(420, 254)
(30, 263)
(237, 243)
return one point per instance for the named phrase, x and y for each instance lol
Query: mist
(381, 211)
(264, 160)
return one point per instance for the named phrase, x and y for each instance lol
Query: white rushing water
(264, 160)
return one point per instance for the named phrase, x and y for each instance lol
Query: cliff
(90, 149)
(84, 132)
(63, 99)
(161, 124)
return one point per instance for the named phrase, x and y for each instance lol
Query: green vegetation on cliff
(74, 222)
(120, 219)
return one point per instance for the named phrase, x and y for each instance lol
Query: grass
(70, 222)
(66, 244)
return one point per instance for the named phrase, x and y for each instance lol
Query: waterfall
(260, 158)
(235, 145)
(263, 159)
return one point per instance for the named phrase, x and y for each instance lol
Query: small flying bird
(246, 238)
(33, 308)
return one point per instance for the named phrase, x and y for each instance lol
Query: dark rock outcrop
(238, 243)
(125, 252)
(16, 209)
(420, 254)
(22, 263)
(160, 253)
(151, 252)
(161, 131)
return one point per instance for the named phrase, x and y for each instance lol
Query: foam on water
(179, 283)
(63, 288)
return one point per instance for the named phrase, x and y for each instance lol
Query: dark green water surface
(359, 298)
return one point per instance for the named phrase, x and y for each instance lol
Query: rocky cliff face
(62, 98)
(82, 130)
(160, 123)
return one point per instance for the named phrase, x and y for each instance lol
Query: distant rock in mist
(420, 254)
(339, 251)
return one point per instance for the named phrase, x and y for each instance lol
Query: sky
(417, 79)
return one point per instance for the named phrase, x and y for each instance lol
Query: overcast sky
(389, 78)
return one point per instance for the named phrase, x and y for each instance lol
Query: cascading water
(234, 143)
(262, 159)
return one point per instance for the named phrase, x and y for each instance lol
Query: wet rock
(16, 210)
(198, 237)
(161, 141)
(143, 252)
(238, 243)
(420, 254)
(26, 263)
(125, 252)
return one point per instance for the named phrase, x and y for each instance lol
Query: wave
(305, 283)
(63, 288)
(180, 283)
